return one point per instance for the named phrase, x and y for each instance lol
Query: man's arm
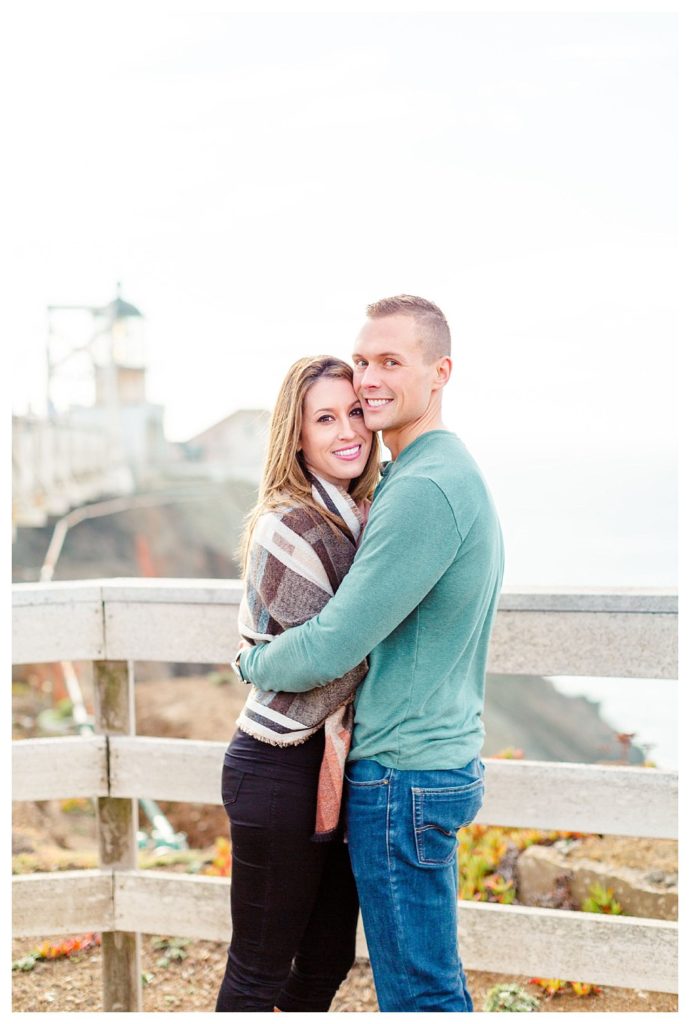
(409, 542)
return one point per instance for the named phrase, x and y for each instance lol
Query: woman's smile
(348, 453)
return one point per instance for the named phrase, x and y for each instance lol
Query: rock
(541, 868)
(662, 878)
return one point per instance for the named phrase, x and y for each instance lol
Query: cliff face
(550, 727)
(528, 712)
(194, 535)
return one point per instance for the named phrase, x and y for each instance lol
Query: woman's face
(334, 439)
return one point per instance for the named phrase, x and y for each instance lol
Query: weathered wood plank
(188, 771)
(628, 952)
(114, 698)
(117, 832)
(174, 591)
(67, 592)
(522, 794)
(121, 952)
(149, 631)
(611, 799)
(62, 902)
(589, 599)
(541, 643)
(621, 951)
(58, 767)
(560, 631)
(207, 591)
(579, 643)
(117, 836)
(154, 902)
(59, 631)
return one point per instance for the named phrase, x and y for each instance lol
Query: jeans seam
(394, 901)
(368, 785)
(272, 839)
(469, 787)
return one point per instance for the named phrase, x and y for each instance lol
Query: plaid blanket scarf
(296, 563)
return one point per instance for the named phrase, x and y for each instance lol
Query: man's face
(391, 377)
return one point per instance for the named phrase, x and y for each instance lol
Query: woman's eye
(357, 411)
(325, 418)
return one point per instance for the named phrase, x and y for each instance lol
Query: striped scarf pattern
(296, 563)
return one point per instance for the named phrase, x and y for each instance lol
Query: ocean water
(596, 518)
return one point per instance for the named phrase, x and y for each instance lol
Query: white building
(232, 449)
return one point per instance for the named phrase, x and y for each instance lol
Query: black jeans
(293, 901)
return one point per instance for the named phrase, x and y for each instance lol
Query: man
(419, 600)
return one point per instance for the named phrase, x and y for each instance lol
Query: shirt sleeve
(410, 540)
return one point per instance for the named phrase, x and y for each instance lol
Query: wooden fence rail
(520, 794)
(113, 623)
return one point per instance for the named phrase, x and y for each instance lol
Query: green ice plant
(601, 901)
(509, 998)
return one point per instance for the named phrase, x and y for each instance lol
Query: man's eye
(391, 362)
(360, 363)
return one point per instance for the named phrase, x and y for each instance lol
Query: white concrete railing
(114, 622)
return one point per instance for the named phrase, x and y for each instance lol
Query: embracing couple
(369, 598)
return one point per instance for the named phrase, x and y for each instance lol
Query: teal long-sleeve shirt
(419, 601)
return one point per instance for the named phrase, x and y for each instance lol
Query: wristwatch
(237, 668)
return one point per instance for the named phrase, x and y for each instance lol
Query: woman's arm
(288, 582)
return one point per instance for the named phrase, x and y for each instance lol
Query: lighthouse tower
(120, 367)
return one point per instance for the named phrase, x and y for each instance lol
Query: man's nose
(368, 378)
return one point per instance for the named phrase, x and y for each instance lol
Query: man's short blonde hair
(434, 332)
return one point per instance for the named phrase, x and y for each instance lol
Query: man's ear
(443, 371)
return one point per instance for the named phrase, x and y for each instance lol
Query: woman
(293, 898)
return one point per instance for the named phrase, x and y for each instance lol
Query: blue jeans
(401, 828)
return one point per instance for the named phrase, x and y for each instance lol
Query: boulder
(643, 889)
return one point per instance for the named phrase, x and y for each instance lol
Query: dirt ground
(191, 984)
(46, 837)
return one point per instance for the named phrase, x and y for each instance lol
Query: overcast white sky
(254, 181)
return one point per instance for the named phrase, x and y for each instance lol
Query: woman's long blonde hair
(284, 481)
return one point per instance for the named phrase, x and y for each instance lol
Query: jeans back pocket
(230, 784)
(439, 813)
